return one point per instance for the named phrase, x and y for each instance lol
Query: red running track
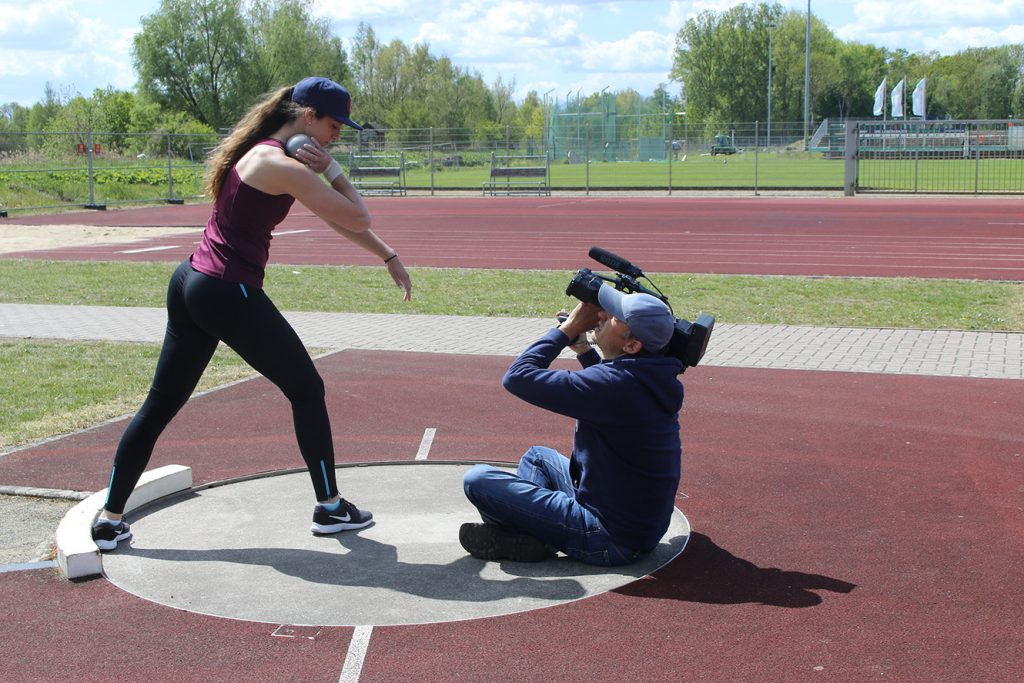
(847, 527)
(965, 238)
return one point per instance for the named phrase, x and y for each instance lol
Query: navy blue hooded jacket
(626, 451)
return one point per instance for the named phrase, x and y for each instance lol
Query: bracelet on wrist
(395, 255)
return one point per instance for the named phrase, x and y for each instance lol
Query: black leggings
(201, 311)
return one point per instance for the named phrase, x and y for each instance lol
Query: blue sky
(80, 45)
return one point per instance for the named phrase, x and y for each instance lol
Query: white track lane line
(426, 443)
(353, 666)
(142, 251)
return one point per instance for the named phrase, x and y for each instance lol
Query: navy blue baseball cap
(327, 97)
(648, 317)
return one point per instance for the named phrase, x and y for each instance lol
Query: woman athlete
(217, 293)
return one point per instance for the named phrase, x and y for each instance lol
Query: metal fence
(57, 170)
(941, 157)
(41, 171)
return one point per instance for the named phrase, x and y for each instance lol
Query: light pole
(547, 116)
(578, 91)
(807, 78)
(768, 144)
(604, 122)
(568, 103)
(686, 138)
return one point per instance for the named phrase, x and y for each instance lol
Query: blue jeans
(539, 499)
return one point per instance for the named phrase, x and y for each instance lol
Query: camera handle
(629, 285)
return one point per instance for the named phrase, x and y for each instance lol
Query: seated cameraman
(612, 501)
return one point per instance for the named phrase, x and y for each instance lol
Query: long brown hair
(267, 116)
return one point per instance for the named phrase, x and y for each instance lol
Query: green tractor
(723, 145)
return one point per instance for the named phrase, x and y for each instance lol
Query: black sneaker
(489, 542)
(345, 518)
(106, 534)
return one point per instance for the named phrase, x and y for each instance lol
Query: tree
(42, 113)
(401, 87)
(365, 50)
(289, 44)
(411, 110)
(190, 54)
(722, 60)
(456, 98)
(390, 80)
(212, 61)
(977, 83)
(13, 117)
(855, 72)
(13, 122)
(530, 116)
(390, 84)
(503, 101)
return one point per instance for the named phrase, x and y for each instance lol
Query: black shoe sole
(487, 542)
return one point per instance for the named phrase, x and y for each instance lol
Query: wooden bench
(518, 174)
(378, 174)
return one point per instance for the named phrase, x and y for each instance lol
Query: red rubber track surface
(971, 238)
(851, 526)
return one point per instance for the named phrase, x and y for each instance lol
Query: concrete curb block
(77, 555)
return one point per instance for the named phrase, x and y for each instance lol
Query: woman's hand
(400, 275)
(314, 156)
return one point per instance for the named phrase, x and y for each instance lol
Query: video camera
(689, 340)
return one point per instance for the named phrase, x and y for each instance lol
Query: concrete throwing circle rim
(211, 549)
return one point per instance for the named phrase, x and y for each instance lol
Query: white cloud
(346, 10)
(944, 26)
(678, 13)
(432, 32)
(37, 27)
(642, 51)
(509, 28)
(956, 39)
(884, 15)
(57, 43)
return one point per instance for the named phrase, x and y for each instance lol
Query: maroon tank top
(236, 242)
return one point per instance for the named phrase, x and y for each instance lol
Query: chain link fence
(587, 152)
(43, 171)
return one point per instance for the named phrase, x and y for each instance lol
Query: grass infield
(56, 387)
(774, 300)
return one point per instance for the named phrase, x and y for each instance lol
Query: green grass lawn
(54, 387)
(766, 170)
(773, 170)
(777, 300)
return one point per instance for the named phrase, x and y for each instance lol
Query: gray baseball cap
(648, 317)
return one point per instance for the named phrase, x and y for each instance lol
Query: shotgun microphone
(615, 262)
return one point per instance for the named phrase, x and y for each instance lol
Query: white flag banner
(917, 99)
(897, 100)
(879, 100)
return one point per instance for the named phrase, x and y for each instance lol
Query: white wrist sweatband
(332, 171)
